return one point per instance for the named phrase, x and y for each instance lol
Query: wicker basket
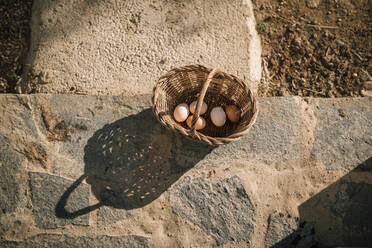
(216, 88)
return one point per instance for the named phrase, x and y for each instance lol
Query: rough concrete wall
(114, 47)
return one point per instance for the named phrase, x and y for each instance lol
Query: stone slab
(109, 215)
(279, 227)
(47, 191)
(286, 232)
(341, 212)
(122, 48)
(343, 133)
(275, 135)
(130, 162)
(222, 210)
(60, 240)
(340, 142)
(12, 183)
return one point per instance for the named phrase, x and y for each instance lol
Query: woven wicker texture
(216, 88)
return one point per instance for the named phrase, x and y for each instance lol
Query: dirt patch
(14, 41)
(315, 50)
(57, 130)
(37, 154)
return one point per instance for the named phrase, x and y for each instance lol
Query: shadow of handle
(60, 210)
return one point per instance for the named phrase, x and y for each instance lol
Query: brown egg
(200, 123)
(233, 113)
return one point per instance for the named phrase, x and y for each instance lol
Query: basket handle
(201, 98)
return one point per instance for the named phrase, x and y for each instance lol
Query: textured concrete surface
(100, 170)
(111, 47)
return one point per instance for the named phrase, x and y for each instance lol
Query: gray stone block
(343, 133)
(341, 212)
(47, 191)
(286, 232)
(108, 215)
(85, 116)
(12, 179)
(350, 203)
(274, 136)
(222, 210)
(279, 227)
(62, 241)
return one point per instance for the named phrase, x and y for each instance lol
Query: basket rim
(197, 136)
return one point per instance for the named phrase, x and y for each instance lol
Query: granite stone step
(101, 171)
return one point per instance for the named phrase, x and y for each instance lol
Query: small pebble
(367, 85)
(312, 4)
(341, 43)
(367, 93)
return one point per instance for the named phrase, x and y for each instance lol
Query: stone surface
(286, 232)
(57, 240)
(145, 180)
(275, 135)
(109, 215)
(222, 210)
(13, 185)
(122, 48)
(341, 212)
(350, 204)
(343, 134)
(130, 162)
(48, 191)
(94, 114)
(279, 227)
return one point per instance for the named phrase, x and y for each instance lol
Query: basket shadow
(131, 162)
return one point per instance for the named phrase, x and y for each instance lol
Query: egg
(218, 116)
(200, 123)
(181, 112)
(233, 113)
(203, 108)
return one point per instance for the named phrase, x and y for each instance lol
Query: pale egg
(203, 108)
(233, 113)
(218, 116)
(200, 123)
(181, 112)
